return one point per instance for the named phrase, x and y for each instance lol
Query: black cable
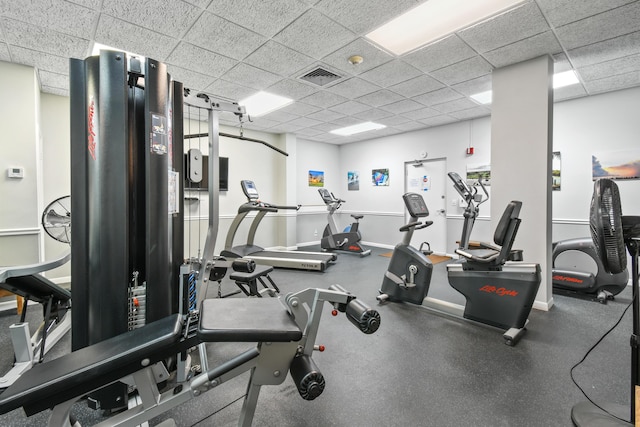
(214, 413)
(587, 355)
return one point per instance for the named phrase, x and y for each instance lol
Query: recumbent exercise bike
(497, 293)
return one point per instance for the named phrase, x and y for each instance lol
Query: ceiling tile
(4, 53)
(353, 88)
(422, 113)
(402, 106)
(300, 108)
(532, 47)
(408, 126)
(569, 92)
(152, 14)
(561, 12)
(607, 25)
(285, 128)
(224, 37)
(372, 57)
(471, 113)
(278, 59)
(92, 4)
(325, 115)
(43, 39)
(229, 90)
(391, 73)
(471, 87)
(606, 50)
(374, 114)
(437, 97)
(263, 17)
(314, 35)
(346, 121)
(509, 27)
(309, 132)
(350, 107)
(455, 105)
(324, 99)
(304, 122)
(627, 64)
(325, 127)
(40, 60)
(281, 117)
(201, 60)
(55, 91)
(462, 71)
(394, 120)
(291, 89)
(132, 38)
(381, 97)
(440, 54)
(57, 15)
(363, 16)
(621, 81)
(438, 120)
(190, 79)
(56, 80)
(561, 63)
(246, 75)
(417, 86)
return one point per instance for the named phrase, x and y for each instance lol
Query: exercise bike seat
(357, 216)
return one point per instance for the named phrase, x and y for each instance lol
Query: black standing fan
(611, 232)
(56, 219)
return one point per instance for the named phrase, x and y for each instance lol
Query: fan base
(585, 414)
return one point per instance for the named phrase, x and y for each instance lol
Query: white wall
(19, 147)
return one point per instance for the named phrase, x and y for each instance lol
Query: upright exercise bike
(497, 293)
(349, 239)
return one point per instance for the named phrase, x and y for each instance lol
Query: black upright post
(633, 248)
(122, 121)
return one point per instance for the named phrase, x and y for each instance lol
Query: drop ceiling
(232, 48)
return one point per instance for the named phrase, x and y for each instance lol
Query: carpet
(435, 259)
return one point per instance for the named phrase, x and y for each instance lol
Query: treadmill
(299, 260)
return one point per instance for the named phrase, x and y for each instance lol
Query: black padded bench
(248, 282)
(35, 287)
(80, 372)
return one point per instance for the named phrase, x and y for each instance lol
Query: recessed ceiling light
(433, 20)
(97, 47)
(566, 78)
(482, 97)
(360, 127)
(261, 103)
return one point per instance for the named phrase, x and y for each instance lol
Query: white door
(429, 178)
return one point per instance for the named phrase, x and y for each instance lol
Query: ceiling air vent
(320, 77)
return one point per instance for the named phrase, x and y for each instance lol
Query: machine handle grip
(410, 225)
(307, 377)
(244, 265)
(425, 225)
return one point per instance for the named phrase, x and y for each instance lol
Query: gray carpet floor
(419, 369)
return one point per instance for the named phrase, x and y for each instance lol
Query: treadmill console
(415, 205)
(250, 190)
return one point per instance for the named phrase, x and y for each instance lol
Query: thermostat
(15, 172)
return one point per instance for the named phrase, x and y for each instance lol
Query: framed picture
(616, 165)
(474, 172)
(380, 177)
(353, 180)
(555, 171)
(316, 178)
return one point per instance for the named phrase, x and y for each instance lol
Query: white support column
(291, 196)
(521, 148)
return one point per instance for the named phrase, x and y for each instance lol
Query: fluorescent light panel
(261, 103)
(434, 20)
(360, 127)
(97, 47)
(566, 78)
